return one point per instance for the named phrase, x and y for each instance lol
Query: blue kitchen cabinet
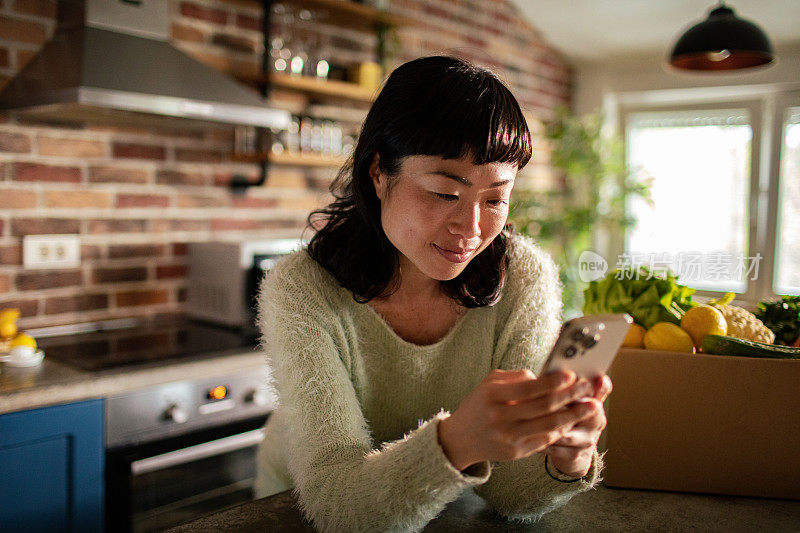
(51, 469)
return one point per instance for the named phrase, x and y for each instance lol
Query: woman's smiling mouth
(455, 256)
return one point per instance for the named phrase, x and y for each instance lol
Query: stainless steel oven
(181, 450)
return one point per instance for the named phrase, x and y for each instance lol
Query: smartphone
(588, 344)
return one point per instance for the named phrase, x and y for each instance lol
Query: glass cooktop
(143, 344)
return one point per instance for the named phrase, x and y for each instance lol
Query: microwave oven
(224, 278)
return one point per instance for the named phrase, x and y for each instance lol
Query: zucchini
(724, 345)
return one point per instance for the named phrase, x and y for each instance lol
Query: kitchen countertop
(54, 383)
(602, 509)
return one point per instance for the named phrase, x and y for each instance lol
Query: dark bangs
(435, 106)
(455, 112)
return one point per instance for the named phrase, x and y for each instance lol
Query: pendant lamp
(722, 42)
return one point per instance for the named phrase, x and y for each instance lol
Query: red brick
(34, 280)
(117, 275)
(117, 226)
(5, 60)
(183, 294)
(180, 248)
(27, 308)
(171, 271)
(201, 200)
(216, 16)
(39, 172)
(249, 201)
(40, 8)
(14, 142)
(44, 226)
(11, 255)
(139, 151)
(200, 155)
(161, 226)
(136, 250)
(70, 147)
(142, 200)
(24, 57)
(5, 283)
(221, 224)
(187, 33)
(75, 304)
(117, 175)
(16, 199)
(176, 177)
(145, 297)
(77, 199)
(12, 29)
(248, 23)
(91, 251)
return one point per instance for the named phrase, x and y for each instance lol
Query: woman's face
(441, 213)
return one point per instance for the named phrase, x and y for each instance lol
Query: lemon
(635, 337)
(23, 339)
(669, 337)
(8, 322)
(703, 320)
(9, 314)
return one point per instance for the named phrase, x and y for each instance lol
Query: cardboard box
(704, 423)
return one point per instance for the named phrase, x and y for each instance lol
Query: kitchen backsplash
(138, 196)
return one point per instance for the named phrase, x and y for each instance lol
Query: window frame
(767, 107)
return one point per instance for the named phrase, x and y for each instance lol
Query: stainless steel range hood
(109, 61)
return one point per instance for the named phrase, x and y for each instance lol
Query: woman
(404, 341)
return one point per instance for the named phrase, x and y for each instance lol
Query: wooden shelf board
(347, 13)
(313, 86)
(305, 160)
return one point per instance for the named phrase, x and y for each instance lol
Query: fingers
(550, 403)
(521, 385)
(603, 387)
(546, 430)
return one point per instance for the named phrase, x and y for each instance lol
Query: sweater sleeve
(522, 489)
(342, 481)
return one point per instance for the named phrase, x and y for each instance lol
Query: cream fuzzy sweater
(355, 431)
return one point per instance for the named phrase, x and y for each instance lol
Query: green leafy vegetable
(782, 317)
(646, 296)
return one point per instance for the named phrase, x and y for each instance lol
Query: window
(787, 271)
(699, 166)
(725, 183)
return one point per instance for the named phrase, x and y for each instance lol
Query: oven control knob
(257, 397)
(175, 413)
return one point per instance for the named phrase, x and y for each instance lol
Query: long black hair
(436, 106)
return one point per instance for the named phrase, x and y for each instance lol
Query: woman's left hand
(572, 454)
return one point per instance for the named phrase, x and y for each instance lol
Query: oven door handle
(199, 451)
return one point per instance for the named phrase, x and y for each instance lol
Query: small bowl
(31, 360)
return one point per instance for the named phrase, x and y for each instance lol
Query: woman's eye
(497, 203)
(449, 197)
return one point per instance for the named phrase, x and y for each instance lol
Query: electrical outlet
(51, 251)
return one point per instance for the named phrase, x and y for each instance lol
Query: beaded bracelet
(547, 469)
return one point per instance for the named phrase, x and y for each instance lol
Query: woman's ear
(378, 179)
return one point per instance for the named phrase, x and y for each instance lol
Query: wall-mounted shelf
(345, 13)
(311, 86)
(294, 159)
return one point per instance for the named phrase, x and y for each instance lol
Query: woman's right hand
(513, 414)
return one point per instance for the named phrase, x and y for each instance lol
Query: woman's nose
(466, 221)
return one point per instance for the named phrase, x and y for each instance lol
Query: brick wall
(137, 196)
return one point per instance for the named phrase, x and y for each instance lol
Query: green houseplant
(593, 188)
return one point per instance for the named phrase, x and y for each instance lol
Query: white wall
(595, 82)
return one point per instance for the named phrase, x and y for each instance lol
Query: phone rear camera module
(580, 334)
(570, 352)
(588, 342)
